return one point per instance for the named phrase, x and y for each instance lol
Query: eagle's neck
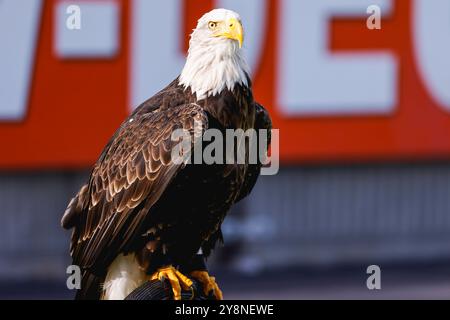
(211, 69)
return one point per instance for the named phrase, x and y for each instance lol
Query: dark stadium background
(365, 171)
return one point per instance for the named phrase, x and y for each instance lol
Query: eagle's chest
(211, 189)
(224, 184)
(231, 109)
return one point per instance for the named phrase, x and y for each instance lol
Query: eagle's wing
(262, 121)
(133, 171)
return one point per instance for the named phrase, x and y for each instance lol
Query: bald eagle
(142, 216)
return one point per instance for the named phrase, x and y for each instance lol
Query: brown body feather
(137, 200)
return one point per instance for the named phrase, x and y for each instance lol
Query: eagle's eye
(212, 25)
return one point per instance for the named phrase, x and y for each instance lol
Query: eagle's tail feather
(123, 277)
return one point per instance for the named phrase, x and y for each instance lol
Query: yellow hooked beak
(233, 30)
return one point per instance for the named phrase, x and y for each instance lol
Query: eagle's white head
(215, 60)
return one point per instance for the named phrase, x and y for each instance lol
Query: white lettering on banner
(91, 31)
(18, 20)
(431, 27)
(156, 47)
(311, 80)
(157, 56)
(314, 81)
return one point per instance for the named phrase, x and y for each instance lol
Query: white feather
(124, 276)
(213, 63)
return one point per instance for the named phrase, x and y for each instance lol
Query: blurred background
(360, 91)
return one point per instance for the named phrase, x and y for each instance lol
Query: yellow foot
(209, 283)
(176, 278)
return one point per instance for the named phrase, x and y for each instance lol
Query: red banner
(337, 90)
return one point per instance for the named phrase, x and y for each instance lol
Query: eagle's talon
(209, 284)
(176, 278)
